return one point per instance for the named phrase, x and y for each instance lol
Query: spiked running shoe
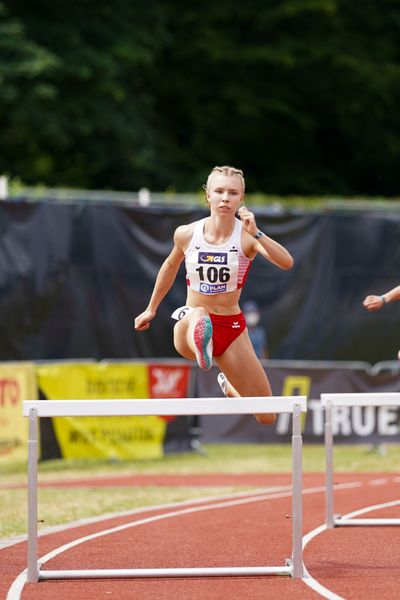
(223, 382)
(203, 342)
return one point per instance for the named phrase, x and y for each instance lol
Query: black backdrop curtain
(73, 275)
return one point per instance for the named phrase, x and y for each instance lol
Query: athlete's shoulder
(183, 234)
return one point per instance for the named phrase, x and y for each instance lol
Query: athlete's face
(224, 194)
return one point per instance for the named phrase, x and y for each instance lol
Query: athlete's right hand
(142, 322)
(248, 220)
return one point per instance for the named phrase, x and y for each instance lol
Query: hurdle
(36, 409)
(329, 401)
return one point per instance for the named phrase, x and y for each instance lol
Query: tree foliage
(302, 94)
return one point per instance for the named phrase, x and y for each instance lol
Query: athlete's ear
(207, 198)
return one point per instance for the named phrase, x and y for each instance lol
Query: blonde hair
(229, 172)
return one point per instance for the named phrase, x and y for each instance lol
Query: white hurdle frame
(35, 409)
(329, 401)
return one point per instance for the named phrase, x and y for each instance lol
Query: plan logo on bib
(210, 288)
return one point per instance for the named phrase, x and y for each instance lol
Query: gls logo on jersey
(213, 258)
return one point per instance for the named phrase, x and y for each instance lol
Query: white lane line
(377, 482)
(350, 484)
(6, 542)
(16, 587)
(313, 583)
(310, 581)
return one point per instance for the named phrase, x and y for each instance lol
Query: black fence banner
(351, 425)
(73, 276)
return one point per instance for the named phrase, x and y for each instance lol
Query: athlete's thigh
(243, 369)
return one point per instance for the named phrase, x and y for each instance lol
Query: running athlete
(218, 252)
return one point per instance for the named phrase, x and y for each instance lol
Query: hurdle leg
(297, 495)
(329, 467)
(33, 574)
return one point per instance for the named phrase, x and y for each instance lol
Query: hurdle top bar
(361, 399)
(165, 406)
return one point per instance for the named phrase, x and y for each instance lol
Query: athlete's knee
(268, 419)
(197, 313)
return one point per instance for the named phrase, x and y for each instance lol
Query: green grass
(65, 505)
(58, 506)
(219, 458)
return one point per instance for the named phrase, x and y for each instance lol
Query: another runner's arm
(374, 302)
(165, 278)
(392, 295)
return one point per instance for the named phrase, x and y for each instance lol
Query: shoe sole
(203, 342)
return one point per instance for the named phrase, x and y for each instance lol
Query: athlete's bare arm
(264, 245)
(373, 302)
(165, 278)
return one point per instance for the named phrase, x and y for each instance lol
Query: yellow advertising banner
(17, 383)
(102, 437)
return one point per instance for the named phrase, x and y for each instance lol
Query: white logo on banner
(166, 381)
(347, 420)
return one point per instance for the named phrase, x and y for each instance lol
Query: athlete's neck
(218, 230)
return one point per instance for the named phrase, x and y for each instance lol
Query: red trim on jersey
(244, 276)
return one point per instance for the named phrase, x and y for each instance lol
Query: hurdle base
(170, 572)
(298, 572)
(32, 575)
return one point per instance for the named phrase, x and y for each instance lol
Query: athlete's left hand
(248, 220)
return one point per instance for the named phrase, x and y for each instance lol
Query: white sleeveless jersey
(216, 269)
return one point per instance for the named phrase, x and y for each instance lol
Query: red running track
(346, 562)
